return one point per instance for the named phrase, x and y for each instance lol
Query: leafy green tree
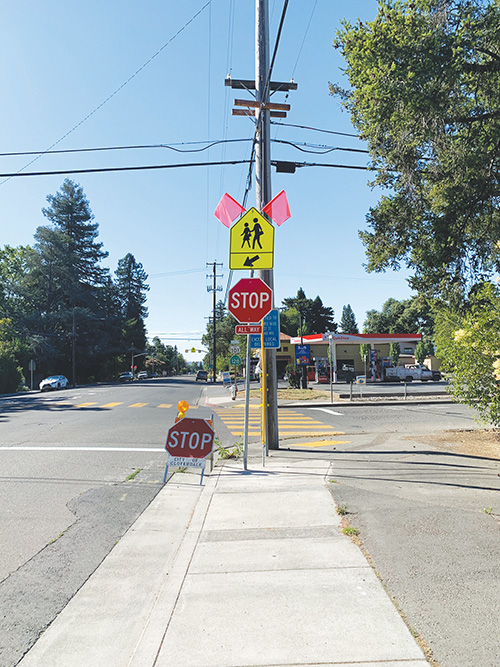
(406, 316)
(290, 322)
(11, 376)
(394, 352)
(423, 94)
(164, 357)
(16, 295)
(364, 352)
(468, 343)
(348, 322)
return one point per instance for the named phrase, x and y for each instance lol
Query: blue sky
(63, 60)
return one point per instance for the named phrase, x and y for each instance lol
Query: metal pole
(303, 380)
(331, 369)
(263, 196)
(335, 363)
(247, 405)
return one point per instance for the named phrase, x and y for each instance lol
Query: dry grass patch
(471, 442)
(292, 394)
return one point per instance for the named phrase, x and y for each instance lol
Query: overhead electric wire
(315, 129)
(131, 147)
(320, 150)
(275, 50)
(304, 39)
(106, 169)
(89, 115)
(318, 164)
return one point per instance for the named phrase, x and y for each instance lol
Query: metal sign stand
(247, 406)
(208, 456)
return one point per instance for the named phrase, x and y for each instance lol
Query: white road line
(332, 412)
(82, 449)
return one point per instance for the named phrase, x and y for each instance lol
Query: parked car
(142, 375)
(126, 377)
(54, 382)
(202, 375)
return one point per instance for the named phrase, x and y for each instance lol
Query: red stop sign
(190, 438)
(250, 300)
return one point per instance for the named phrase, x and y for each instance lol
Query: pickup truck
(411, 372)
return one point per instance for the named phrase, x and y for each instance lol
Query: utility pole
(214, 289)
(263, 196)
(263, 110)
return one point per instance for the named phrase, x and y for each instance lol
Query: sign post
(32, 367)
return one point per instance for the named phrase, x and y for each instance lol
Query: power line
(108, 169)
(335, 166)
(89, 115)
(304, 39)
(131, 147)
(319, 148)
(217, 163)
(316, 129)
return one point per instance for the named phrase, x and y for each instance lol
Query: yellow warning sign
(251, 242)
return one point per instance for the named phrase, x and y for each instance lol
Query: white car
(142, 375)
(54, 382)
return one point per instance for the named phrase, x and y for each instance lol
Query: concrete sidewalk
(250, 569)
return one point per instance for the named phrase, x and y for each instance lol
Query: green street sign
(235, 360)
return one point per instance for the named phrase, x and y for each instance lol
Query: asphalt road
(65, 499)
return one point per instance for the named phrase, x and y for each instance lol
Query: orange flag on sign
(228, 210)
(277, 209)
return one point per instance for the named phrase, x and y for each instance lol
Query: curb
(365, 403)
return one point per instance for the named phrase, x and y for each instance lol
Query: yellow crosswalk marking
(137, 405)
(111, 405)
(312, 428)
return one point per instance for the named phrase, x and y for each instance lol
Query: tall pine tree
(348, 322)
(131, 288)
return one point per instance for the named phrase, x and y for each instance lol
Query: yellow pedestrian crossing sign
(251, 242)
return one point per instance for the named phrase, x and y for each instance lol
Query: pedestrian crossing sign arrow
(251, 242)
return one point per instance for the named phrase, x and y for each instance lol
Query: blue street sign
(271, 332)
(302, 355)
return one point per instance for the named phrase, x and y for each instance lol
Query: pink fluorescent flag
(277, 209)
(228, 210)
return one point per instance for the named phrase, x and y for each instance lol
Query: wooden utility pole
(263, 196)
(262, 109)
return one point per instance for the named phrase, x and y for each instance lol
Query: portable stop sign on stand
(189, 442)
